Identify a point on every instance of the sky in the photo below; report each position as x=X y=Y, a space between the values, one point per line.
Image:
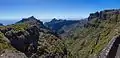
x=48 y=9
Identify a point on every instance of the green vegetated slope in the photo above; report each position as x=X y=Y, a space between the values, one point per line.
x=31 y=37
x=34 y=39
x=87 y=42
x=4 y=44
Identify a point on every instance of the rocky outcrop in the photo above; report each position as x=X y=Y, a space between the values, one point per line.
x=31 y=37
x=104 y=14
x=24 y=41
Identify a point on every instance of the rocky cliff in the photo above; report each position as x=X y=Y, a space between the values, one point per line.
x=31 y=37
x=90 y=39
x=82 y=38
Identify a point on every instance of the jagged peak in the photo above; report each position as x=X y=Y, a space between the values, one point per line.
x=31 y=17
x=53 y=20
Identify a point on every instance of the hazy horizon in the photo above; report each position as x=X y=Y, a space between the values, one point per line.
x=12 y=21
x=48 y=9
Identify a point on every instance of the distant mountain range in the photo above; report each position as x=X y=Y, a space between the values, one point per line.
x=12 y=21
x=60 y=38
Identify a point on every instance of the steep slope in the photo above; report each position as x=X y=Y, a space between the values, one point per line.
x=31 y=37
x=82 y=38
x=4 y=44
x=89 y=41
x=90 y=37
x=7 y=50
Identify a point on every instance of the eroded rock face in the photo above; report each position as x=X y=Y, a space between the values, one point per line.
x=33 y=40
x=104 y=14
x=24 y=41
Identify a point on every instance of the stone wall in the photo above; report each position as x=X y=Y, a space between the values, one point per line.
x=111 y=49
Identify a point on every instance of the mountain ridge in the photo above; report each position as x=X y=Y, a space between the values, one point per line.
x=31 y=37
x=62 y=38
